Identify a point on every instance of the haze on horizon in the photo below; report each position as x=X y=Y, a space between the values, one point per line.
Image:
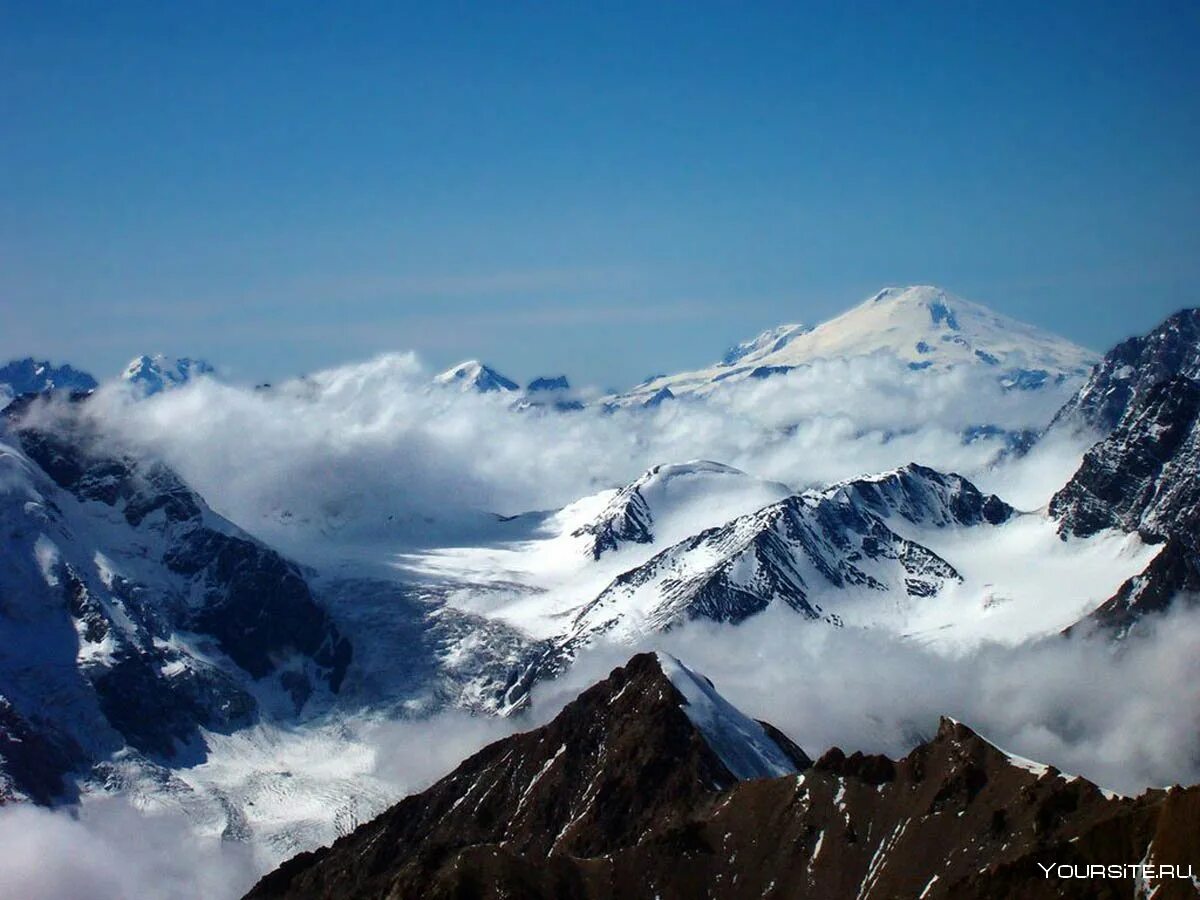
x=604 y=193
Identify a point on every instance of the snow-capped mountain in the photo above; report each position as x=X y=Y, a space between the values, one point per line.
x=152 y=374
x=132 y=616
x=650 y=785
x=147 y=645
x=1130 y=370
x=674 y=499
x=924 y=327
x=550 y=392
x=792 y=552
x=473 y=375
x=31 y=376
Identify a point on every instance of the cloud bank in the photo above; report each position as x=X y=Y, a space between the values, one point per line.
x=372 y=453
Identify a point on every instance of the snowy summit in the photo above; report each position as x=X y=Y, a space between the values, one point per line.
x=152 y=374
x=922 y=326
x=473 y=375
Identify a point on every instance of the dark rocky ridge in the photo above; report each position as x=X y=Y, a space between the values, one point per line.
x=31 y=376
x=634 y=804
x=1131 y=370
x=1171 y=578
x=1144 y=475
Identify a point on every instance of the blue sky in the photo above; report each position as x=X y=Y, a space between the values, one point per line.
x=605 y=189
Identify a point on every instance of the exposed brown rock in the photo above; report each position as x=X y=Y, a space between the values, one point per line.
x=637 y=805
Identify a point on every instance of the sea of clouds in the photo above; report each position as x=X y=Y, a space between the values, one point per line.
x=1125 y=717
x=372 y=454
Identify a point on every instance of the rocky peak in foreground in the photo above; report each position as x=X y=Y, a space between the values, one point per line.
x=628 y=793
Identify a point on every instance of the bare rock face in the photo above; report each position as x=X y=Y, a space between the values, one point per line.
x=1143 y=476
x=624 y=795
x=1131 y=370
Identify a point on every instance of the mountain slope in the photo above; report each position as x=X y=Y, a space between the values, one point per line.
x=790 y=551
x=1145 y=475
x=1129 y=371
x=131 y=615
x=31 y=376
x=473 y=375
x=923 y=327
x=623 y=796
x=620 y=759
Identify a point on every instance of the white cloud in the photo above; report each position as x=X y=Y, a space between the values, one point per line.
x=1125 y=717
x=111 y=851
x=368 y=453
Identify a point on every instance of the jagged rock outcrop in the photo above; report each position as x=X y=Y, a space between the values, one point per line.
x=622 y=795
x=1131 y=370
x=1145 y=475
x=1171 y=577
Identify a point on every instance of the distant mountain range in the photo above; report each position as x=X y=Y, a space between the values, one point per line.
x=141 y=633
x=31 y=376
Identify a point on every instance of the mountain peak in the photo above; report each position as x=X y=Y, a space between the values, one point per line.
x=923 y=327
x=472 y=375
x=624 y=757
x=913 y=293
x=152 y=374
x=549 y=383
x=744 y=745
x=33 y=376
x=621 y=795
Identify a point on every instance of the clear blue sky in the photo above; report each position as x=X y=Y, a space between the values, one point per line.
x=602 y=189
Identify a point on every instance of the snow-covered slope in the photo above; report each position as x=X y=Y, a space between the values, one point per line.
x=770 y=341
x=131 y=615
x=151 y=374
x=473 y=375
x=913 y=552
x=822 y=543
x=540 y=567
x=925 y=327
x=742 y=743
